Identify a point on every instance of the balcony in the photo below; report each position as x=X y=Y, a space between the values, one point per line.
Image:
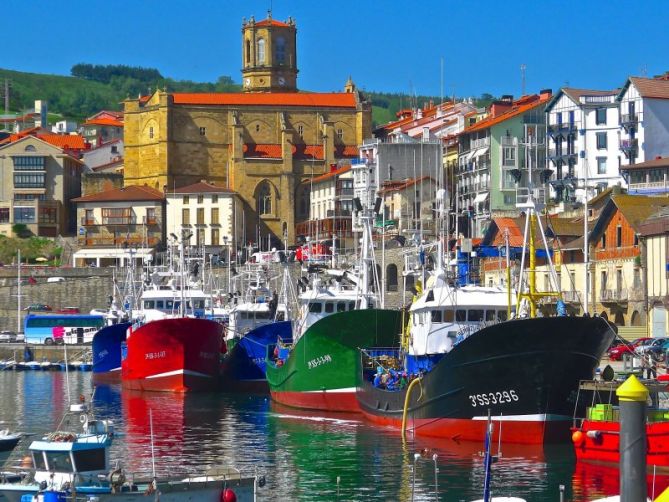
x=562 y=129
x=571 y=296
x=509 y=141
x=562 y=155
x=111 y=241
x=649 y=188
x=629 y=147
x=480 y=143
x=613 y=295
x=629 y=121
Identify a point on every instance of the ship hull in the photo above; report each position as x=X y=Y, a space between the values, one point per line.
x=176 y=355
x=320 y=371
x=524 y=372
x=243 y=368
x=106 y=348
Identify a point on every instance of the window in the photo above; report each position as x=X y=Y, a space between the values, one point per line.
x=4 y=215
x=215 y=236
x=28 y=163
x=150 y=215
x=214 y=216
x=185 y=200
x=200 y=216
x=489 y=315
x=448 y=315
x=315 y=307
x=150 y=132
x=619 y=236
x=24 y=215
x=185 y=216
x=460 y=315
x=601 y=141
x=257 y=127
x=114 y=149
x=89 y=460
x=48 y=215
x=601 y=165
x=501 y=315
x=636 y=240
x=199 y=238
x=475 y=315
x=340 y=134
x=203 y=131
x=341 y=307
x=59 y=461
x=509 y=156
x=604 y=240
x=280 y=50
x=261 y=51
x=435 y=315
x=248 y=51
x=264 y=199
x=600 y=118
x=116 y=216
x=329 y=307
x=38 y=461
x=200 y=199
x=214 y=199
x=29 y=181
x=300 y=130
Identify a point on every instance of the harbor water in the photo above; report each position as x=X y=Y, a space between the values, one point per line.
x=303 y=456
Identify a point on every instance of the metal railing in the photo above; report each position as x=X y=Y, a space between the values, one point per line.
x=613 y=295
x=629 y=118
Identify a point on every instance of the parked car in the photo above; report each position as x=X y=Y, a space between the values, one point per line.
x=69 y=310
x=645 y=347
x=8 y=337
x=660 y=349
x=56 y=279
x=38 y=307
x=616 y=352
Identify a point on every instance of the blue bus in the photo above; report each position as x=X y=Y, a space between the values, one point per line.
x=61 y=328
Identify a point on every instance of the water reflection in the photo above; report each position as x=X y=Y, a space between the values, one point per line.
x=305 y=456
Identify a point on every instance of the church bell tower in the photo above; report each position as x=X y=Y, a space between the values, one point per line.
x=269 y=55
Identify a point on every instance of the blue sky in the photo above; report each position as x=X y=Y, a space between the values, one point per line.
x=388 y=46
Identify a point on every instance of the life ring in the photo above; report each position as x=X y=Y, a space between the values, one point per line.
x=83 y=418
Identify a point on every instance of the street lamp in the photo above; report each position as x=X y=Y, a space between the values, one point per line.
x=225 y=243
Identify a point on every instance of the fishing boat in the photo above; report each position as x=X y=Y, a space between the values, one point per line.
x=260 y=320
x=463 y=354
x=8 y=440
x=596 y=437
x=171 y=346
x=106 y=348
x=338 y=314
x=75 y=465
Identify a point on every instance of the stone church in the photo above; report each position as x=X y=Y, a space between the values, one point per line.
x=263 y=143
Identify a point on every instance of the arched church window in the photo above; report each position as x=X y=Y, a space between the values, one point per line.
x=280 y=50
x=248 y=51
x=261 y=51
x=264 y=199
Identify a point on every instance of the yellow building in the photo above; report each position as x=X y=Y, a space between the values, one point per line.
x=261 y=143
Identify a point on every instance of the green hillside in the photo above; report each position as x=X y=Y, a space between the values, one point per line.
x=104 y=87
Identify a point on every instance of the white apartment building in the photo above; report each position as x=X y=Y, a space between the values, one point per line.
x=210 y=214
x=583 y=136
x=331 y=194
x=644 y=119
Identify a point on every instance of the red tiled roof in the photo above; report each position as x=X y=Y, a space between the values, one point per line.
x=331 y=174
x=272 y=22
x=112 y=113
x=332 y=100
x=64 y=141
x=649 y=164
x=346 y=151
x=104 y=122
x=651 y=87
x=398 y=185
x=200 y=187
x=308 y=152
x=262 y=151
x=515 y=233
x=519 y=107
x=125 y=194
